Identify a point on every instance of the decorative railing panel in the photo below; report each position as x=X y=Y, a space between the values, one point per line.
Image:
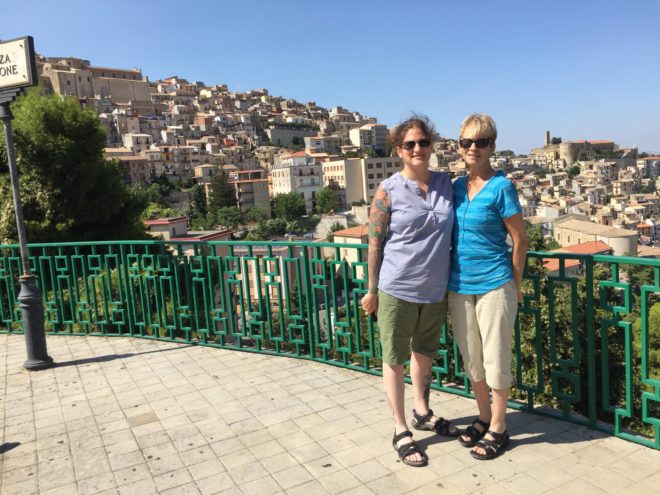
x=586 y=341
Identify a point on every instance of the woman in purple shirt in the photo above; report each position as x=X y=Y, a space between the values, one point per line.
x=410 y=228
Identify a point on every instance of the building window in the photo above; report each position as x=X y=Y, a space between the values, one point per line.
x=371 y=176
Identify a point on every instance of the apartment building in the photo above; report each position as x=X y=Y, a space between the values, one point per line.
x=137 y=142
x=299 y=173
x=251 y=187
x=355 y=179
x=370 y=136
x=323 y=144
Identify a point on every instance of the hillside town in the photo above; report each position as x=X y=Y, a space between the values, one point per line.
x=588 y=193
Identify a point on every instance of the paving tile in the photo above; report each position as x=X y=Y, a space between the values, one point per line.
x=69 y=488
x=128 y=459
x=187 y=489
x=96 y=483
x=261 y=486
x=172 y=479
x=313 y=486
x=279 y=462
x=160 y=465
x=129 y=475
x=27 y=487
x=142 y=487
x=339 y=481
x=206 y=469
x=55 y=473
x=248 y=472
x=293 y=476
x=578 y=486
x=308 y=452
x=267 y=449
x=523 y=484
x=390 y=483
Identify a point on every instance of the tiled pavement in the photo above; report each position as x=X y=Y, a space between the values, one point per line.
x=129 y=416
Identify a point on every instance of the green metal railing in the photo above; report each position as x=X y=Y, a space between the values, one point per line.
x=587 y=337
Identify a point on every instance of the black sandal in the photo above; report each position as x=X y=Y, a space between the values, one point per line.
x=492 y=447
x=408 y=449
x=441 y=426
x=473 y=434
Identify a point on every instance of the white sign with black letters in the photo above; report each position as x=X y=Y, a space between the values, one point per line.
x=16 y=63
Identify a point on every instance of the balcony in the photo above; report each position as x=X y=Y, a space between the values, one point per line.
x=582 y=356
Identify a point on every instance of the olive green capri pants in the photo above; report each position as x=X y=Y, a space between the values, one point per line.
x=405 y=325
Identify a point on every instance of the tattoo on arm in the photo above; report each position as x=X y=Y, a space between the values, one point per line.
x=379 y=220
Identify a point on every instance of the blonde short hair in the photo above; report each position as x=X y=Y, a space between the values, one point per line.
x=484 y=124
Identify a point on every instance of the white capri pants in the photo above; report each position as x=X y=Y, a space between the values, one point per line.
x=483 y=329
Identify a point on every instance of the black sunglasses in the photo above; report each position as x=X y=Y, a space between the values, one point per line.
x=409 y=145
x=481 y=143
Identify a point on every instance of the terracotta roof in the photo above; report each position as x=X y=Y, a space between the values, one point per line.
x=165 y=221
x=552 y=264
x=206 y=235
x=359 y=232
x=593 y=247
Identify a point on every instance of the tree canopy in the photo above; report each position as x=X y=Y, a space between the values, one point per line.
x=326 y=200
x=222 y=192
x=289 y=206
x=69 y=191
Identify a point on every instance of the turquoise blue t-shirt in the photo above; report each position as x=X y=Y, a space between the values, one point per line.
x=480 y=260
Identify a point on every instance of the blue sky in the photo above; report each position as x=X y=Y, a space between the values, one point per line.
x=581 y=69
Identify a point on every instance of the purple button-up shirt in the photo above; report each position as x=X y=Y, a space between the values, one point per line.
x=416 y=257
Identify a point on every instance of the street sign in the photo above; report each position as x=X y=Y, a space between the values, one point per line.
x=17 y=64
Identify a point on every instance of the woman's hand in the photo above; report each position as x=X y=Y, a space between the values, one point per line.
x=370 y=303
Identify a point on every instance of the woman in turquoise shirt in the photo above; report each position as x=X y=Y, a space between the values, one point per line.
x=485 y=282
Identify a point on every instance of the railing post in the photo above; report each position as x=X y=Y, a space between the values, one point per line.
x=591 y=338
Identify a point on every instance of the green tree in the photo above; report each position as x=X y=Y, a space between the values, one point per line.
x=326 y=200
x=231 y=216
x=537 y=240
x=256 y=214
x=573 y=171
x=222 y=192
x=555 y=140
x=154 y=210
x=70 y=192
x=199 y=204
x=333 y=228
x=289 y=206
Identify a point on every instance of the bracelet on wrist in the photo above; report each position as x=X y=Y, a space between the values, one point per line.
x=372 y=290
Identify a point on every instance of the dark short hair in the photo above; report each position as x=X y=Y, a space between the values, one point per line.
x=420 y=122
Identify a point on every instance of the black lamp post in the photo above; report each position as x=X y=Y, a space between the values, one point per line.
x=17 y=71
